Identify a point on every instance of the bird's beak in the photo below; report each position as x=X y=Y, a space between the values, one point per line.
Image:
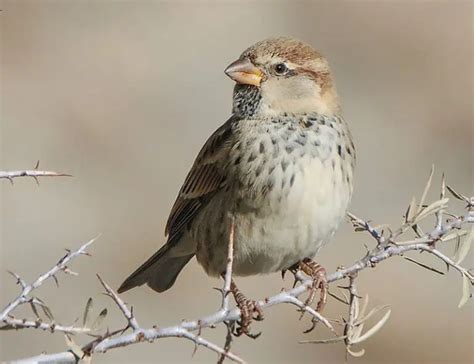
x=243 y=71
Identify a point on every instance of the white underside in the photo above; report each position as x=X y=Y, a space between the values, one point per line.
x=298 y=226
x=273 y=235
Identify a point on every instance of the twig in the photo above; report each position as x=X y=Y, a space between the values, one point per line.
x=131 y=320
x=422 y=244
x=184 y=330
x=226 y=290
x=442 y=195
x=353 y=312
x=28 y=288
x=228 y=271
x=228 y=340
x=12 y=323
x=33 y=173
x=423 y=265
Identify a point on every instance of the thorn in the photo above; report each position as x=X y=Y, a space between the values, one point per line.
x=424 y=265
x=195 y=349
x=36 y=180
x=222 y=291
x=338 y=298
x=344 y=287
x=122 y=331
x=68 y=271
x=314 y=321
x=283 y=272
x=55 y=280
x=37 y=164
x=11 y=180
x=19 y=281
x=197 y=337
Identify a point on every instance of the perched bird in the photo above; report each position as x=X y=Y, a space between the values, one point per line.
x=279 y=172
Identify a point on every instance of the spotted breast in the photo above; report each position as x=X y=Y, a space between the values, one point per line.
x=291 y=181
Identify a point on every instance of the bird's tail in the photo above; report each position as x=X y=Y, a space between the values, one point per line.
x=159 y=272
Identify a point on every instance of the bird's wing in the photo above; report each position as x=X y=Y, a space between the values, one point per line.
x=205 y=178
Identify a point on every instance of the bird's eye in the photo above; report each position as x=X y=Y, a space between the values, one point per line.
x=280 y=68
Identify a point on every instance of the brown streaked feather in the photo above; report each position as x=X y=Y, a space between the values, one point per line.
x=291 y=49
x=205 y=178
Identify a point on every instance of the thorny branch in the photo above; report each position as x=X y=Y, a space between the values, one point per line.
x=25 y=296
x=228 y=271
x=388 y=244
x=33 y=173
x=226 y=291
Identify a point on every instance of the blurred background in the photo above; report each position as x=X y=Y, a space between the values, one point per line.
x=122 y=94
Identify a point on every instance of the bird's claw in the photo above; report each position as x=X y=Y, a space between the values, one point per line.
x=249 y=310
x=293 y=269
x=318 y=274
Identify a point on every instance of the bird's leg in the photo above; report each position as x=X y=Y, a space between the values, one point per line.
x=249 y=310
x=318 y=274
x=293 y=269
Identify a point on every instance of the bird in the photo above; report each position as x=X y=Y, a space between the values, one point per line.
x=279 y=173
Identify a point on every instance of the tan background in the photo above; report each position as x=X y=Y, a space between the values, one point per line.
x=122 y=94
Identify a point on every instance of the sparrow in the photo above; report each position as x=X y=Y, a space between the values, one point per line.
x=279 y=172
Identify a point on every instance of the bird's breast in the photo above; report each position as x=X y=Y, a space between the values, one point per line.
x=275 y=160
x=292 y=187
x=288 y=187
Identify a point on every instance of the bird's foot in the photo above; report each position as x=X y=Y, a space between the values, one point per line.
x=249 y=310
x=293 y=269
x=318 y=274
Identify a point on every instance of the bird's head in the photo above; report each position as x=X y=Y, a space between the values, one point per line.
x=280 y=76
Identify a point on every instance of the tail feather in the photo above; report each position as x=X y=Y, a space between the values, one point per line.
x=165 y=275
x=159 y=271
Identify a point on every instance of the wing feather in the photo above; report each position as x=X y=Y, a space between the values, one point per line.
x=205 y=178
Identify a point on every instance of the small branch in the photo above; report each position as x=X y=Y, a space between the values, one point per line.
x=228 y=271
x=450 y=262
x=33 y=173
x=28 y=288
x=353 y=313
x=316 y=315
x=132 y=322
x=226 y=290
x=352 y=307
x=399 y=248
x=355 y=322
x=228 y=340
x=12 y=323
x=63 y=358
x=361 y=225
x=442 y=195
x=184 y=330
x=198 y=340
x=423 y=265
